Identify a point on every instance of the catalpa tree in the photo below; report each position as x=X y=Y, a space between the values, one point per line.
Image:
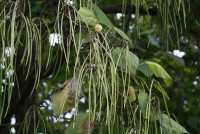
x=86 y=66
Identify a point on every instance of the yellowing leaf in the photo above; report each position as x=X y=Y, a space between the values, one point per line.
x=63 y=98
x=84 y=123
x=131 y=94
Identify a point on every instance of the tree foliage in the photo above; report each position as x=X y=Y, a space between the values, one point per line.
x=99 y=66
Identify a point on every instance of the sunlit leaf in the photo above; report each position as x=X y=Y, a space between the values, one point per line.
x=159 y=71
x=63 y=98
x=124 y=58
x=143 y=99
x=121 y=33
x=83 y=124
x=180 y=60
x=87 y=16
x=169 y=123
x=159 y=88
x=131 y=94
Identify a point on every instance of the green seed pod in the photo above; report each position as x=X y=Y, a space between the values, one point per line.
x=131 y=94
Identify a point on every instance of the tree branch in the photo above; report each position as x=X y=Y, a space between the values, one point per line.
x=129 y=9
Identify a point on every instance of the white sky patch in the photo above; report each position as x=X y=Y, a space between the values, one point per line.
x=185 y=102
x=12 y=84
x=82 y=100
x=196 y=47
x=69 y=114
x=178 y=53
x=119 y=15
x=47 y=103
x=3 y=81
x=131 y=27
x=69 y=2
x=13 y=130
x=195 y=82
x=50 y=91
x=45 y=84
x=13 y=120
x=54 y=38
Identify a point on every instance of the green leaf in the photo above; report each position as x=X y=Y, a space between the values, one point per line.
x=145 y=69
x=124 y=58
x=101 y=16
x=154 y=41
x=159 y=71
x=87 y=16
x=143 y=99
x=180 y=60
x=63 y=98
x=121 y=33
x=170 y=124
x=84 y=123
x=83 y=37
x=159 y=88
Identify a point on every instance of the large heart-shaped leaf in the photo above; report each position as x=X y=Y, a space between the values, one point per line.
x=101 y=16
x=87 y=16
x=125 y=59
